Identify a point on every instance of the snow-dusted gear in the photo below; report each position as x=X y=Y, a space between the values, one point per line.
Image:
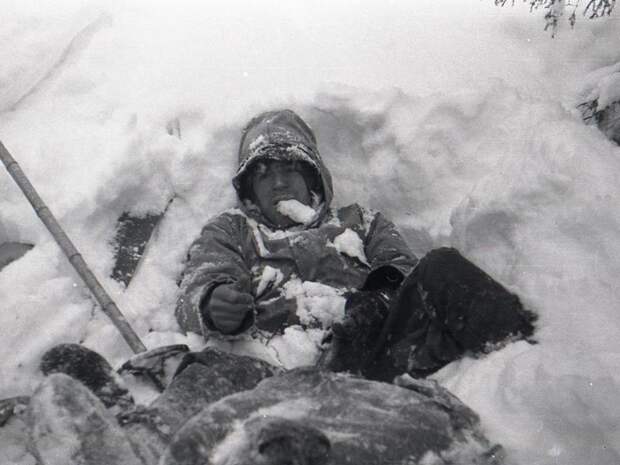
x=132 y=236
x=233 y=249
x=353 y=341
x=446 y=307
x=91 y=369
x=203 y=378
x=9 y=406
x=70 y=425
x=241 y=247
x=306 y=416
x=156 y=366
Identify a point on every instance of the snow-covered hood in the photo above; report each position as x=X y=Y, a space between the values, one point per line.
x=280 y=135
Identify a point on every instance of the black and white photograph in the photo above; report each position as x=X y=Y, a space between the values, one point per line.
x=309 y=232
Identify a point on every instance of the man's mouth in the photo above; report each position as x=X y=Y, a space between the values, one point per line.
x=281 y=197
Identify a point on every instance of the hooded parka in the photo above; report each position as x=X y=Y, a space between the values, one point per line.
x=242 y=247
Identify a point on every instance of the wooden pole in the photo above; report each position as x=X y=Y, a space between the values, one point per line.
x=75 y=258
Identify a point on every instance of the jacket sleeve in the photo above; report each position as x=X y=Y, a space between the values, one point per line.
x=389 y=257
x=215 y=258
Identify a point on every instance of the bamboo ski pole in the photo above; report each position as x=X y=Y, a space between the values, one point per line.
x=75 y=258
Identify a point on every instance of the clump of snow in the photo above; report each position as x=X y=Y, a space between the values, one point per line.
x=318 y=307
x=295 y=347
x=317 y=304
x=349 y=243
x=602 y=85
x=296 y=211
x=271 y=277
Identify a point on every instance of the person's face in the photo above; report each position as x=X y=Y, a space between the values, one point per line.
x=274 y=181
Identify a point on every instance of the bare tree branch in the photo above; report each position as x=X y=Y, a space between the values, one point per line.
x=555 y=9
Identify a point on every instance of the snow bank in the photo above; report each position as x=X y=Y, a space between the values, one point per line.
x=472 y=142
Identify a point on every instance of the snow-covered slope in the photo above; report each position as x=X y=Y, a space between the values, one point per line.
x=454 y=120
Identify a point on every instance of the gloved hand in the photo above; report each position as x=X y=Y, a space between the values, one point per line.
x=228 y=307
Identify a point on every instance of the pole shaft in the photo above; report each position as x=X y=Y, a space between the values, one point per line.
x=75 y=258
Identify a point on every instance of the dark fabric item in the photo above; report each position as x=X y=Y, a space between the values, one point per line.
x=155 y=366
x=383 y=278
x=91 y=369
x=132 y=236
x=445 y=308
x=311 y=417
x=205 y=377
x=353 y=341
x=448 y=307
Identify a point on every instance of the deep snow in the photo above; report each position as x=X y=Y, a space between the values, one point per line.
x=456 y=120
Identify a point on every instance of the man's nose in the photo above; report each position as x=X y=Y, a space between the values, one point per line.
x=280 y=179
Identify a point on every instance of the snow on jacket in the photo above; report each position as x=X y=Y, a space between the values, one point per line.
x=341 y=250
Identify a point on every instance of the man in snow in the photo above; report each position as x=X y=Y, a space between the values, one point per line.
x=257 y=272
x=237 y=280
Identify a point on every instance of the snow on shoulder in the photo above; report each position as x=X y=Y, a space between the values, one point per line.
x=349 y=243
x=297 y=211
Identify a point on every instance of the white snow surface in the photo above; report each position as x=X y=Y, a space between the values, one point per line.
x=297 y=211
x=455 y=119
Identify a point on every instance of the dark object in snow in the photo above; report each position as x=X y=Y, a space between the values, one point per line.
x=205 y=377
x=11 y=251
x=307 y=416
x=132 y=236
x=607 y=119
x=8 y=407
x=446 y=308
x=91 y=369
x=201 y=379
x=156 y=366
